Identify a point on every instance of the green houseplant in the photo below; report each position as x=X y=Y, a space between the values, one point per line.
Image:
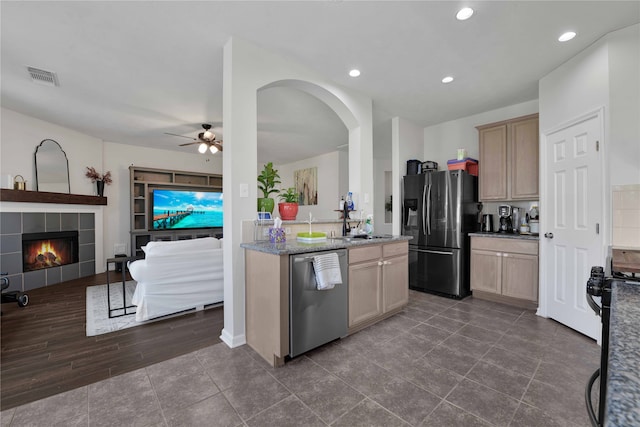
x=267 y=181
x=288 y=208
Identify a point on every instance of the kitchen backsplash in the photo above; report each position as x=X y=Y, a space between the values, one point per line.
x=626 y=216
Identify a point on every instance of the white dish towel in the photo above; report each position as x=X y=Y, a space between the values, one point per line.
x=327 y=268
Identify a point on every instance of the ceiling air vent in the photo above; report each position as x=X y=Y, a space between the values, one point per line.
x=43 y=77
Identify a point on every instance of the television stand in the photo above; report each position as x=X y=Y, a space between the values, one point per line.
x=143 y=182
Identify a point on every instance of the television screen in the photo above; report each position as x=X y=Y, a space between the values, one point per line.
x=176 y=209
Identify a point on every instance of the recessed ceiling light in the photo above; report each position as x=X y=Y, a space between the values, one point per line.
x=464 y=13
x=447 y=79
x=354 y=73
x=566 y=36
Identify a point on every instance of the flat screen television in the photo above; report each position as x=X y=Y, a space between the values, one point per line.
x=180 y=209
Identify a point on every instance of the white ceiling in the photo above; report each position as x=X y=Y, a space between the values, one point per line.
x=130 y=71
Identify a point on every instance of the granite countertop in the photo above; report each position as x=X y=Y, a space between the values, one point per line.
x=292 y=246
x=506 y=235
x=623 y=381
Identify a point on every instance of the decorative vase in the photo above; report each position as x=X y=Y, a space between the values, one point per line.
x=100 y=188
x=288 y=211
x=265 y=204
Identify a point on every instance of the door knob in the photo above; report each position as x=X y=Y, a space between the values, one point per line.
x=548 y=235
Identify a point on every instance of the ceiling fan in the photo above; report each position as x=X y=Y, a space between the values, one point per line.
x=206 y=139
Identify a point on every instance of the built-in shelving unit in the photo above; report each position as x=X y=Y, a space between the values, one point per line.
x=143 y=182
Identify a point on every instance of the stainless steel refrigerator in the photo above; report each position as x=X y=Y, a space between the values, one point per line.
x=439 y=210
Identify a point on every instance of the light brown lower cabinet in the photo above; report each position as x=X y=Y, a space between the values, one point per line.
x=378 y=282
x=505 y=270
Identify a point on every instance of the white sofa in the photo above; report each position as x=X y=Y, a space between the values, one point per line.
x=177 y=276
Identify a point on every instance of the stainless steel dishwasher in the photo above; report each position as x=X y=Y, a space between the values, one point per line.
x=315 y=317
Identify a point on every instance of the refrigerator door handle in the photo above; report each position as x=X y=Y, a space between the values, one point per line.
x=429 y=210
x=424 y=197
x=429 y=251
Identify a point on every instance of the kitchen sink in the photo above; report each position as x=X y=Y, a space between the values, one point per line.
x=362 y=237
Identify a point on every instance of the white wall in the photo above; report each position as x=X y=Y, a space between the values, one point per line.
x=624 y=81
x=330 y=173
x=441 y=141
x=382 y=161
x=21 y=134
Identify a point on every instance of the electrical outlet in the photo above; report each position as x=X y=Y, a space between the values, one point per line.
x=287 y=230
x=119 y=248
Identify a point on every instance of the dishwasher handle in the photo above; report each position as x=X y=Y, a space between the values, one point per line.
x=309 y=258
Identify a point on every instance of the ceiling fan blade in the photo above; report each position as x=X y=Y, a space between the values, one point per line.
x=181 y=136
x=189 y=143
x=217 y=144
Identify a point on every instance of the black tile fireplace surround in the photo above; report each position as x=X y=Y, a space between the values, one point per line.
x=14 y=224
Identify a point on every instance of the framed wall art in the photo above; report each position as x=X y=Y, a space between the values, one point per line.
x=306 y=182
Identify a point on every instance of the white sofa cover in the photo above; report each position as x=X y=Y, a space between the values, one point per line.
x=176 y=276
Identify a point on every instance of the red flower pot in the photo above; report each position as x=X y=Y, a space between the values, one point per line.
x=288 y=211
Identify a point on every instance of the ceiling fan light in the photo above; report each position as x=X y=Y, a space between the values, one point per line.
x=213 y=149
x=208 y=135
x=202 y=148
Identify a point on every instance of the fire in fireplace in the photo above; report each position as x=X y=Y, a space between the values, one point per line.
x=51 y=249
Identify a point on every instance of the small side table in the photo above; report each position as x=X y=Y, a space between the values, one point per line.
x=123 y=264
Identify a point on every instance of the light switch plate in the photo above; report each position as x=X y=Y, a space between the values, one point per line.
x=244 y=190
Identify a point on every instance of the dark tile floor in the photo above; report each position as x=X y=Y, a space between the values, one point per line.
x=440 y=363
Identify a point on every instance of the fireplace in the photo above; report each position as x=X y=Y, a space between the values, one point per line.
x=49 y=249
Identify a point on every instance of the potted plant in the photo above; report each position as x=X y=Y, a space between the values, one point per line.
x=267 y=181
x=288 y=208
x=100 y=180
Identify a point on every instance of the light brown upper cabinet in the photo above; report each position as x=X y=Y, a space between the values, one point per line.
x=509 y=159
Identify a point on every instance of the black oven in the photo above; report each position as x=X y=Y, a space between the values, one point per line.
x=599 y=286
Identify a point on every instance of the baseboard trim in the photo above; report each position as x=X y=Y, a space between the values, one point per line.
x=233 y=341
x=517 y=302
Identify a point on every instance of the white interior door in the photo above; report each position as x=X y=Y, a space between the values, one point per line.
x=572 y=240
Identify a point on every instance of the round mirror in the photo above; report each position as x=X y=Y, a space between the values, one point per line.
x=52 y=168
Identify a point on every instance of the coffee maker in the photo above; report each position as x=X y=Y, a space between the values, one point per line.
x=506 y=225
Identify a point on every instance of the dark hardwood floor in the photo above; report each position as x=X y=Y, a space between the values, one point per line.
x=45 y=350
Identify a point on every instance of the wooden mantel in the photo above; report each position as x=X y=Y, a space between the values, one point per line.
x=23 y=196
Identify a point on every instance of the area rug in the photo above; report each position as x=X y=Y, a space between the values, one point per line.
x=98 y=321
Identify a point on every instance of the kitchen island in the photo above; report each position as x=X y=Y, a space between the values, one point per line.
x=378 y=286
